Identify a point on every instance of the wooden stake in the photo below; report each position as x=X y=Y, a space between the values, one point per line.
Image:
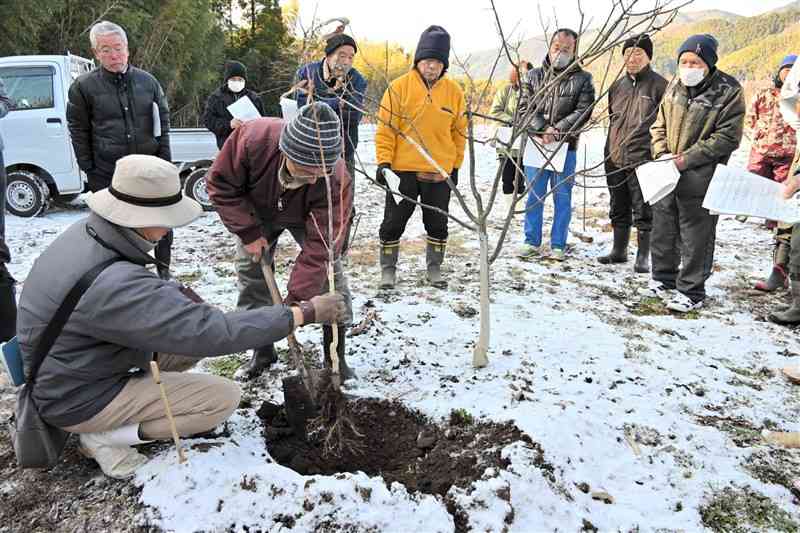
x=337 y=380
x=168 y=409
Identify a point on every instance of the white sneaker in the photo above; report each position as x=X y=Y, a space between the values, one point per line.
x=529 y=251
x=656 y=289
x=557 y=254
x=681 y=303
x=112 y=450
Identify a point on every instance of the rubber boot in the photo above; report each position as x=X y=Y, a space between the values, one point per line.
x=389 y=253
x=619 y=251
x=327 y=337
x=434 y=257
x=790 y=316
x=778 y=278
x=261 y=360
x=642 y=264
x=8 y=306
x=113 y=452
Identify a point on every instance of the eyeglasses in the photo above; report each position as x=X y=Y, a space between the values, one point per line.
x=107 y=50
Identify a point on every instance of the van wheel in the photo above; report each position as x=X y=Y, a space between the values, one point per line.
x=195 y=188
x=26 y=194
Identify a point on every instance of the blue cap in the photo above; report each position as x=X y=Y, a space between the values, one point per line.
x=704 y=45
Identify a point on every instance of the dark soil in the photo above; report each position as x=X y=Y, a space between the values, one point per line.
x=394 y=438
x=72 y=496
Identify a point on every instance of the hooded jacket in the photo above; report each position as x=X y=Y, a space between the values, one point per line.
x=244 y=187
x=703 y=123
x=123 y=318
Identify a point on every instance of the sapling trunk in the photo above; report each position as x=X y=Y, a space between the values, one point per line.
x=479 y=355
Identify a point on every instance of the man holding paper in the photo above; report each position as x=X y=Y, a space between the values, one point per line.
x=217 y=116
x=117 y=110
x=554 y=116
x=632 y=107
x=699 y=124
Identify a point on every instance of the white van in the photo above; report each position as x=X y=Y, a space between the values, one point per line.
x=39 y=158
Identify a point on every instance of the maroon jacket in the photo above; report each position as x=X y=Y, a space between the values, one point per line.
x=243 y=186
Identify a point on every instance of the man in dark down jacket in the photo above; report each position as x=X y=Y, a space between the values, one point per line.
x=216 y=116
x=555 y=114
x=116 y=110
x=632 y=107
x=269 y=178
x=699 y=123
x=95 y=380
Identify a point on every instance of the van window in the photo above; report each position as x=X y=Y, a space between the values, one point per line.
x=29 y=87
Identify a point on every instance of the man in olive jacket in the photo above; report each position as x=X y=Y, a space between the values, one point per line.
x=699 y=124
x=632 y=107
x=116 y=110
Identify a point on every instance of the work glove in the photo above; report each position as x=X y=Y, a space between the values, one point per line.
x=454 y=176
x=379 y=177
x=328 y=308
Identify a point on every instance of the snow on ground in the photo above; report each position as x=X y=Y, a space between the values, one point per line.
x=659 y=411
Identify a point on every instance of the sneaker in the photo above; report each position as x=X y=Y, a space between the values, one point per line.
x=656 y=289
x=681 y=303
x=529 y=251
x=116 y=461
x=557 y=254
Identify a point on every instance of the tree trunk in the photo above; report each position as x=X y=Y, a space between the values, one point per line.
x=479 y=358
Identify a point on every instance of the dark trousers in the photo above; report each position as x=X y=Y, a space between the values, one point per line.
x=794 y=253
x=8 y=303
x=512 y=173
x=350 y=163
x=682 y=246
x=397 y=212
x=628 y=207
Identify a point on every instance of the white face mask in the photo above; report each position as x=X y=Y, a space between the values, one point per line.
x=235 y=86
x=691 y=76
x=562 y=60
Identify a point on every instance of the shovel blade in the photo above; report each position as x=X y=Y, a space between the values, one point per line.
x=298 y=404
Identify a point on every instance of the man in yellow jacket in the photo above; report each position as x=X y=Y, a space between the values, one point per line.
x=429 y=108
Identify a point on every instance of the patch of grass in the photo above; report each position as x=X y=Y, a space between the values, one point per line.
x=774 y=465
x=741 y=509
x=461 y=417
x=650 y=306
x=742 y=432
x=225 y=366
x=189 y=277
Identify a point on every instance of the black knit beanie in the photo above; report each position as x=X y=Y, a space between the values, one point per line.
x=704 y=45
x=340 y=39
x=315 y=129
x=434 y=43
x=640 y=41
x=234 y=68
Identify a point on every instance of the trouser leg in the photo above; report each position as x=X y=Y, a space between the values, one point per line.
x=698 y=229
x=665 y=246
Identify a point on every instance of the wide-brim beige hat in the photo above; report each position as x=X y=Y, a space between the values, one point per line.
x=145 y=192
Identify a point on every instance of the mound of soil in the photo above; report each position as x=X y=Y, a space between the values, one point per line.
x=398 y=444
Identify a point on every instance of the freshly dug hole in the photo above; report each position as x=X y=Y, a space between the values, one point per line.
x=398 y=444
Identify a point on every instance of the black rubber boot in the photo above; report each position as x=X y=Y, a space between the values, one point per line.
x=434 y=258
x=8 y=305
x=619 y=251
x=389 y=253
x=790 y=316
x=642 y=264
x=327 y=337
x=261 y=360
x=778 y=277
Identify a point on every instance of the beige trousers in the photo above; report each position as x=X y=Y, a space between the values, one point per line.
x=199 y=402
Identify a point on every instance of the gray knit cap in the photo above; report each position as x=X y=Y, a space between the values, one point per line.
x=313 y=137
